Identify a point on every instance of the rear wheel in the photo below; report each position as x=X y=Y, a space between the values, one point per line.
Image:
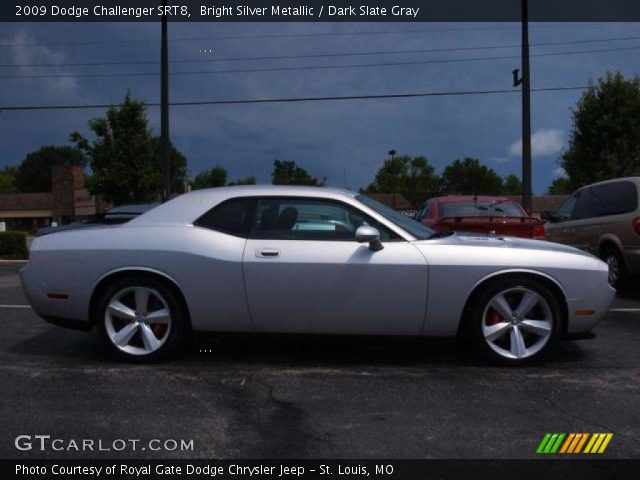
x=617 y=271
x=514 y=321
x=140 y=319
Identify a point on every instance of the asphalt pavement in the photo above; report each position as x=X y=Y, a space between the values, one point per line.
x=285 y=396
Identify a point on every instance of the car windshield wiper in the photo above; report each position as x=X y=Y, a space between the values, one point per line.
x=440 y=234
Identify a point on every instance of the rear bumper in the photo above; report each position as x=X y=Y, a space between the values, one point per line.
x=67 y=312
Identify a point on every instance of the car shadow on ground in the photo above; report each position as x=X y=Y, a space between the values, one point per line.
x=630 y=291
x=58 y=345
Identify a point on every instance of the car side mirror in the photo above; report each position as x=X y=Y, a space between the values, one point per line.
x=370 y=235
x=548 y=216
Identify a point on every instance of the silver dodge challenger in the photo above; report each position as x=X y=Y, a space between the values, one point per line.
x=309 y=260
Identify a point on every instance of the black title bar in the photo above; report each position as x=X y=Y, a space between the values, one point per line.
x=317 y=469
x=318 y=10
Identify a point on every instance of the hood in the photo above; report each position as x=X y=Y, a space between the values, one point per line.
x=496 y=241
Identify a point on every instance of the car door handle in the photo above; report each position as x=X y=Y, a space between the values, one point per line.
x=268 y=252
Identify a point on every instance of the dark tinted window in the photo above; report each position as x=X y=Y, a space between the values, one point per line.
x=232 y=216
x=616 y=198
x=566 y=209
x=608 y=199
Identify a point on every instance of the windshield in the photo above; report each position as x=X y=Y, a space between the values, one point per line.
x=505 y=208
x=409 y=225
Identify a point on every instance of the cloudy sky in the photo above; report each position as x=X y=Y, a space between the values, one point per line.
x=338 y=140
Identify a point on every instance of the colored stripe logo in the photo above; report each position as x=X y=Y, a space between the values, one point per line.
x=573 y=443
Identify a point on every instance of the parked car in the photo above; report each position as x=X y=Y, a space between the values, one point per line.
x=604 y=219
x=232 y=259
x=498 y=215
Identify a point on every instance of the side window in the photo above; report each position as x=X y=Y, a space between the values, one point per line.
x=306 y=219
x=564 y=212
x=615 y=198
x=589 y=205
x=231 y=216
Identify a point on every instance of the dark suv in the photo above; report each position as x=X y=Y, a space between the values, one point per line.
x=604 y=219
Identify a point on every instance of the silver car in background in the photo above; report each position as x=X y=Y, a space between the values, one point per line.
x=309 y=260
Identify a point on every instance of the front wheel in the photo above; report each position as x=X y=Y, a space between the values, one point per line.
x=140 y=319
x=515 y=321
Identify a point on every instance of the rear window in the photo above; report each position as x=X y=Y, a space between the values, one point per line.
x=232 y=216
x=505 y=208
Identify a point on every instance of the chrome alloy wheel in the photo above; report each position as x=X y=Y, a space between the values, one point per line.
x=614 y=269
x=517 y=323
x=137 y=320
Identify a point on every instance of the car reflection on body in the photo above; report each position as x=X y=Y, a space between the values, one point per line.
x=309 y=260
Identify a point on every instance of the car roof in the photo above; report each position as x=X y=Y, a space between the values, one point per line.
x=470 y=198
x=635 y=179
x=186 y=208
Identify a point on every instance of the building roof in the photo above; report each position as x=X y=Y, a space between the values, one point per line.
x=544 y=203
x=25 y=201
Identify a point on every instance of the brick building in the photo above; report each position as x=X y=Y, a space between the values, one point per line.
x=68 y=200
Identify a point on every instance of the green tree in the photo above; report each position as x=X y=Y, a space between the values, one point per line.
x=251 y=180
x=286 y=172
x=604 y=141
x=216 y=177
x=34 y=173
x=7 y=179
x=124 y=156
x=404 y=174
x=512 y=185
x=469 y=177
x=560 y=186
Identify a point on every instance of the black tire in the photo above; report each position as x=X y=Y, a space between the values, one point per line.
x=476 y=323
x=174 y=331
x=617 y=269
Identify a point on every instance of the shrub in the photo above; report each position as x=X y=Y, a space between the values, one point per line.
x=13 y=244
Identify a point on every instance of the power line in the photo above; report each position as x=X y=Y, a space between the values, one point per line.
x=317 y=67
x=324 y=55
x=298 y=35
x=300 y=99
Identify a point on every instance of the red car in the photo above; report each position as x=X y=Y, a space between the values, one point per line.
x=498 y=215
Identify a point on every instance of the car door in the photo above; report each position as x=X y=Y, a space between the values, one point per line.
x=560 y=228
x=304 y=272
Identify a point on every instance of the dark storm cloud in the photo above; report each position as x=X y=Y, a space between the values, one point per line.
x=330 y=139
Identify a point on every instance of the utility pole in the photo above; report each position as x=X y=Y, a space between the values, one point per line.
x=393 y=157
x=525 y=81
x=165 y=191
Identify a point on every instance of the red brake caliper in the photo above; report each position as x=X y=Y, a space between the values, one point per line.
x=493 y=318
x=159 y=329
